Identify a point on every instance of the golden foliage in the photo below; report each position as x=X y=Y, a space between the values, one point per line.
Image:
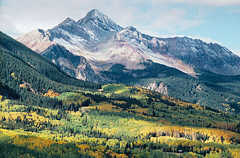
x=116 y=155
x=51 y=93
x=75 y=114
x=32 y=142
x=182 y=103
x=3 y=104
x=235 y=153
x=33 y=117
x=112 y=142
x=83 y=147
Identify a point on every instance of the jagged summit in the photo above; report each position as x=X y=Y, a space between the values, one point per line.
x=95 y=27
x=95 y=13
x=95 y=18
x=67 y=21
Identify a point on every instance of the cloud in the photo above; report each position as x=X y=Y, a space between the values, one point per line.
x=213 y=3
x=172 y=19
x=8 y=27
x=30 y=15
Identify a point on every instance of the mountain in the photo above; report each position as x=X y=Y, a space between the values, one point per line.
x=97 y=49
x=98 y=38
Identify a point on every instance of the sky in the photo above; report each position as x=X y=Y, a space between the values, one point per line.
x=209 y=20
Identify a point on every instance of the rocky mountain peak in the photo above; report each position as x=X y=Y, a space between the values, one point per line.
x=100 y=20
x=67 y=22
x=94 y=13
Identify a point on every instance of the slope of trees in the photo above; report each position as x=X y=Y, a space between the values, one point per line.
x=26 y=76
x=39 y=63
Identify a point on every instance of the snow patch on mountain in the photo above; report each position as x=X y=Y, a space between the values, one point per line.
x=74 y=42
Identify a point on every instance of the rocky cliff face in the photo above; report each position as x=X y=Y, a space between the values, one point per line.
x=73 y=65
x=158 y=87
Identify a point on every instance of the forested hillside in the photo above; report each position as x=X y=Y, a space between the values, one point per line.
x=39 y=63
x=27 y=75
x=44 y=113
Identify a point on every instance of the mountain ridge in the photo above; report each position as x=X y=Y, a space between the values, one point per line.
x=96 y=30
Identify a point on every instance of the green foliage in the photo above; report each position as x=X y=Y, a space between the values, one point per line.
x=26 y=76
x=157 y=154
x=217 y=155
x=111 y=88
x=73 y=101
